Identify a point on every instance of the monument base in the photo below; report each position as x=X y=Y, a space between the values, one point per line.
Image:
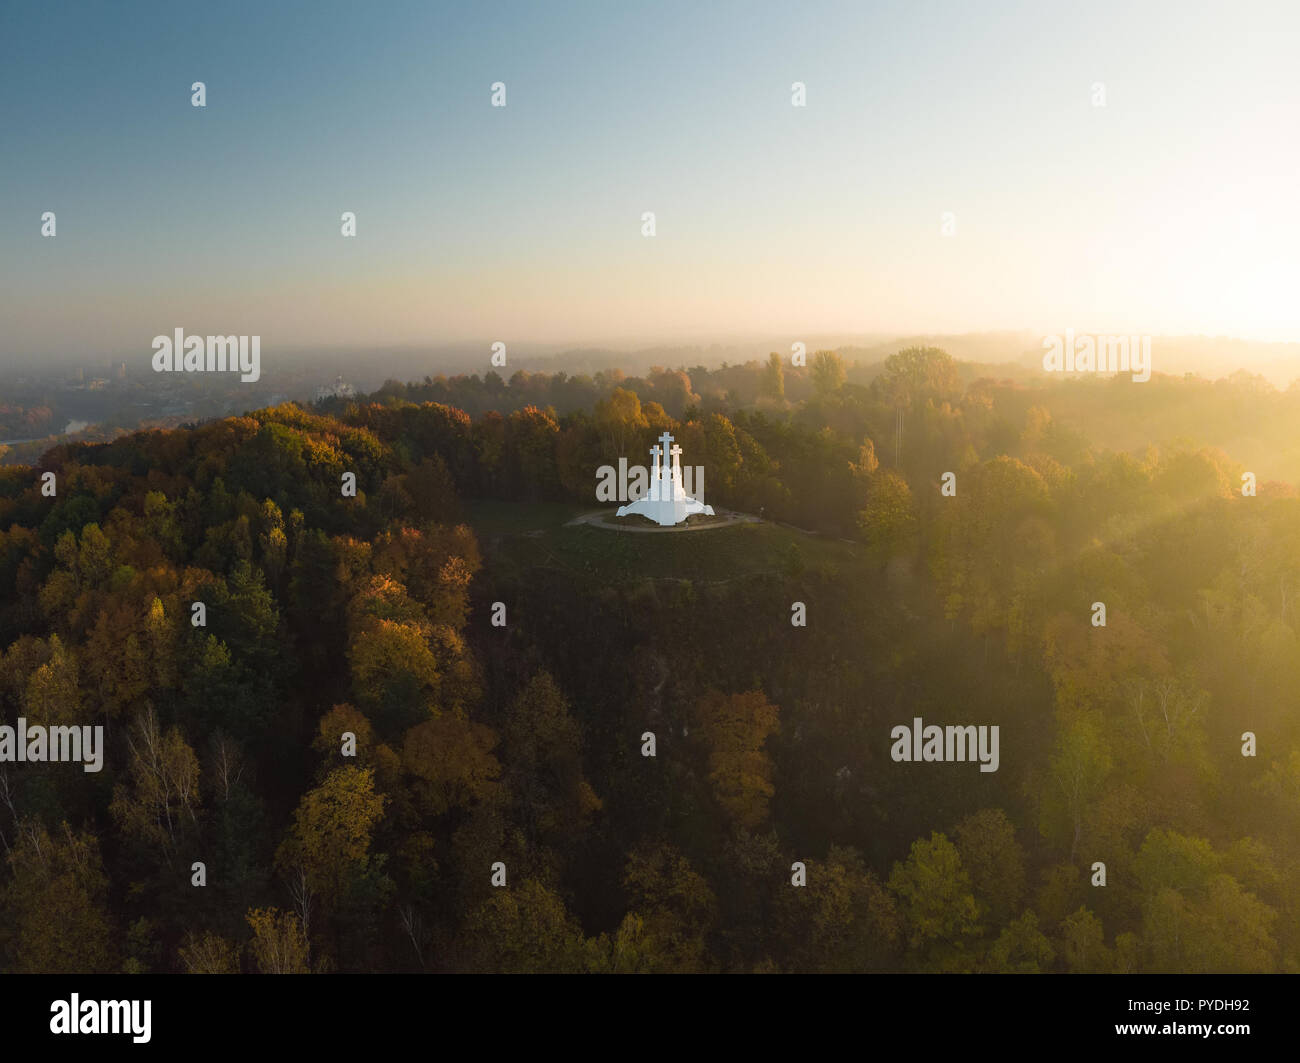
x=665 y=512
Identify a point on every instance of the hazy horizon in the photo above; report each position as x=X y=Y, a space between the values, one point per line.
x=1208 y=356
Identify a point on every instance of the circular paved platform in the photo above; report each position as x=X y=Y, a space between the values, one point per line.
x=605 y=518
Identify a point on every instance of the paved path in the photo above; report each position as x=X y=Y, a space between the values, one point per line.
x=603 y=518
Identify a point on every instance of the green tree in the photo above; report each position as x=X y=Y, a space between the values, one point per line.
x=986 y=842
x=917 y=374
x=934 y=897
x=1021 y=948
x=1079 y=767
x=888 y=520
x=827 y=372
x=543 y=755
x=774 y=378
x=1083 y=944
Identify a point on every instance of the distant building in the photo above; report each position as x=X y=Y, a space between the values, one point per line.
x=340 y=389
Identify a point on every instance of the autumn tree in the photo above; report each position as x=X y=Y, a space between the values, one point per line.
x=53 y=695
x=340 y=720
x=451 y=762
x=395 y=673
x=55 y=904
x=524 y=929
x=843 y=920
x=673 y=910
x=531 y=436
x=279 y=945
x=332 y=827
x=543 y=756
x=733 y=729
x=432 y=491
x=620 y=422
x=160 y=802
x=209 y=953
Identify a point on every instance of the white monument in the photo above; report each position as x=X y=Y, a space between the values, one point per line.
x=666 y=501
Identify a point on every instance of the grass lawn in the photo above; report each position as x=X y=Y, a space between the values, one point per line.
x=489 y=517
x=520 y=536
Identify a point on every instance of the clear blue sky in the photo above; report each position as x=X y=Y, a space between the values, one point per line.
x=1171 y=209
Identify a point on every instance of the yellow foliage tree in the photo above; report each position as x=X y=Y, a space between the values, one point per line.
x=332 y=829
x=279 y=945
x=734 y=728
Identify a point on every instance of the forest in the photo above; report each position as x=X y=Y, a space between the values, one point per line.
x=341 y=762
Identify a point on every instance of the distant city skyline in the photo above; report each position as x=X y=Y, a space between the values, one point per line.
x=1169 y=210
